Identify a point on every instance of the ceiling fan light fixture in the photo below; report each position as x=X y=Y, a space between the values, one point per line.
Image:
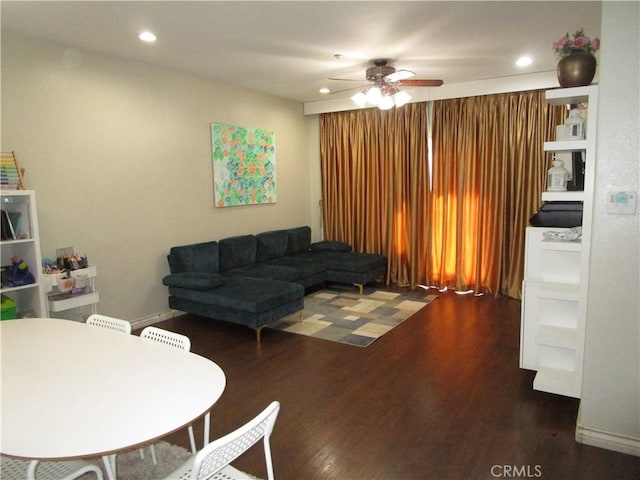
x=388 y=90
x=384 y=97
x=359 y=99
x=386 y=102
x=373 y=95
x=401 y=98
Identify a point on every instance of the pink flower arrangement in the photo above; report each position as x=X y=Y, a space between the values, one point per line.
x=566 y=45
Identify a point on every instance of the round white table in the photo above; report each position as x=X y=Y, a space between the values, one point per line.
x=70 y=390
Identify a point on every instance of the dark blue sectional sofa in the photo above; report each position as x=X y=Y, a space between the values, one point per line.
x=255 y=280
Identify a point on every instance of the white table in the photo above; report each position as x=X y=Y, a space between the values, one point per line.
x=70 y=390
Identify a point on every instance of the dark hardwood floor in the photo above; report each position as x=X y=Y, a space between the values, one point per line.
x=439 y=397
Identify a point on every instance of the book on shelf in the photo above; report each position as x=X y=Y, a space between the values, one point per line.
x=14 y=220
x=8 y=232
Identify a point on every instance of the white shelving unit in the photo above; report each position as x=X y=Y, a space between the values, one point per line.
x=30 y=299
x=77 y=303
x=554 y=290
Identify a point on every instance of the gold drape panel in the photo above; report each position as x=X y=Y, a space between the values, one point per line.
x=375 y=183
x=464 y=227
x=489 y=170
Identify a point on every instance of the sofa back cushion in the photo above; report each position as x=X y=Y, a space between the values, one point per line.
x=236 y=252
x=199 y=257
x=271 y=245
x=299 y=240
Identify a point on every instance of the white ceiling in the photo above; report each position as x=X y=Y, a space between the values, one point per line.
x=288 y=48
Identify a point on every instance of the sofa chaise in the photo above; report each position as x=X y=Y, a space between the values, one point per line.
x=254 y=280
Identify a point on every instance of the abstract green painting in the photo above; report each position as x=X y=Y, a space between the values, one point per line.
x=244 y=165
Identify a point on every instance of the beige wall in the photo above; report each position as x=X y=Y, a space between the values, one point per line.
x=119 y=156
x=610 y=408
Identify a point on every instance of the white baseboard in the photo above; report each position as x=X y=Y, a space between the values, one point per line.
x=607 y=440
x=152 y=319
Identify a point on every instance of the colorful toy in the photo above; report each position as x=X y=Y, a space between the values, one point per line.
x=49 y=267
x=20 y=274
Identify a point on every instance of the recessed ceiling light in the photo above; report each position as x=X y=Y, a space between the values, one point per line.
x=524 y=61
x=324 y=90
x=147 y=37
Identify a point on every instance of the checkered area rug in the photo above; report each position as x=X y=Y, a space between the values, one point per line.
x=345 y=316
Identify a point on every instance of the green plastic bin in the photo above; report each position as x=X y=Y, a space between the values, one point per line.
x=9 y=308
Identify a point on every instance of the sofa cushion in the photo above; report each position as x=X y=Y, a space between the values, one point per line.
x=199 y=257
x=347 y=261
x=266 y=271
x=240 y=317
x=236 y=252
x=331 y=246
x=245 y=294
x=354 y=262
x=299 y=240
x=345 y=276
x=196 y=280
x=271 y=245
x=310 y=272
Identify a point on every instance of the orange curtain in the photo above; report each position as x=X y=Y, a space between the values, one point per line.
x=489 y=170
x=458 y=224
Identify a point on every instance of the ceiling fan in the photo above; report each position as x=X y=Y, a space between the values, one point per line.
x=383 y=89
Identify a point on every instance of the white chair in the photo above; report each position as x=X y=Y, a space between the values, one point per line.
x=174 y=340
x=213 y=461
x=16 y=469
x=166 y=337
x=97 y=320
x=122 y=326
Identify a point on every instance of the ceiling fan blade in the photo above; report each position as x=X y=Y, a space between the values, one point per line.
x=348 y=80
x=344 y=90
x=399 y=75
x=420 y=83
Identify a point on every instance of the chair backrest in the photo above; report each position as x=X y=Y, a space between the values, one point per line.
x=18 y=469
x=111 y=323
x=221 y=452
x=166 y=337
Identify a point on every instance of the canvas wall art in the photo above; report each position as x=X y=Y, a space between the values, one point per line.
x=244 y=165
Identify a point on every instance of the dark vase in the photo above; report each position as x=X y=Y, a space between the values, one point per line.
x=576 y=69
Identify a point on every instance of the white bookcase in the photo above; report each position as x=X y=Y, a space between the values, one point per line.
x=30 y=299
x=554 y=290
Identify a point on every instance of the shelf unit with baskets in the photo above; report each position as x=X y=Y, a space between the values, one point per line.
x=74 y=302
x=555 y=286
